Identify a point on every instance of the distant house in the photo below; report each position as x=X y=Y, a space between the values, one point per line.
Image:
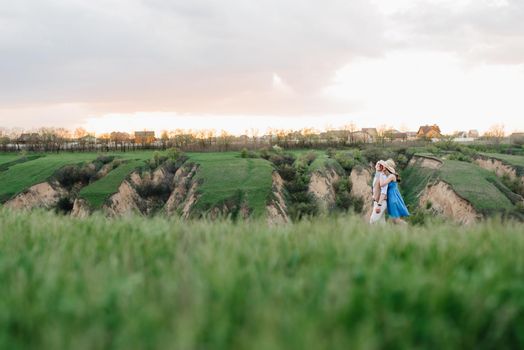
x=87 y=139
x=371 y=132
x=517 y=138
x=144 y=137
x=429 y=132
x=29 y=138
x=474 y=134
x=400 y=136
x=460 y=134
x=411 y=135
x=360 y=137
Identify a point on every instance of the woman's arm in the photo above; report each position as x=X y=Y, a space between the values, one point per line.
x=389 y=179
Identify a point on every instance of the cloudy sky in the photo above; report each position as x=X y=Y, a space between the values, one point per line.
x=238 y=64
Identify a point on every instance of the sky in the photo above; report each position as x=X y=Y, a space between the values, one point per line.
x=241 y=64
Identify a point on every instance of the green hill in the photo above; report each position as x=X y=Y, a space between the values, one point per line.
x=97 y=192
x=24 y=175
x=226 y=175
x=481 y=188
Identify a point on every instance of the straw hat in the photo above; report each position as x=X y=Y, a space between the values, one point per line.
x=390 y=165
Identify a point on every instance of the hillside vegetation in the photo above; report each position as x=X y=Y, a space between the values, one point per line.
x=98 y=192
x=23 y=175
x=331 y=283
x=476 y=185
x=224 y=176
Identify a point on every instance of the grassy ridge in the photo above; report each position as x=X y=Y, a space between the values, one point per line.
x=8 y=157
x=223 y=175
x=472 y=183
x=97 y=192
x=331 y=283
x=478 y=186
x=23 y=175
x=508 y=158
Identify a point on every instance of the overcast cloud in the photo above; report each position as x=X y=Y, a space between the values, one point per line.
x=225 y=57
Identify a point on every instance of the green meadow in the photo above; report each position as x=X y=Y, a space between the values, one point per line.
x=329 y=283
x=226 y=175
x=20 y=176
x=99 y=191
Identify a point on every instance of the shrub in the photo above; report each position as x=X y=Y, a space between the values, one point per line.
x=300 y=210
x=70 y=175
x=174 y=153
x=418 y=217
x=64 y=206
x=310 y=157
x=244 y=153
x=375 y=154
x=287 y=172
x=358 y=204
x=346 y=160
x=281 y=159
x=343 y=201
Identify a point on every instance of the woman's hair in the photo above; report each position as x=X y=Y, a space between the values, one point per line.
x=397 y=176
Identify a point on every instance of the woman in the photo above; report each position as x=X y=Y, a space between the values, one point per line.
x=396 y=206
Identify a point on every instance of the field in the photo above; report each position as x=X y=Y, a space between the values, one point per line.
x=472 y=183
x=6 y=158
x=225 y=175
x=517 y=161
x=23 y=175
x=331 y=283
x=482 y=188
x=97 y=192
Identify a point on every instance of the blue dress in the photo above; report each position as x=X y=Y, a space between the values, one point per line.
x=396 y=206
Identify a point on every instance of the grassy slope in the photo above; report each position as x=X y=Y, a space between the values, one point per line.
x=23 y=175
x=223 y=174
x=97 y=192
x=414 y=180
x=508 y=158
x=472 y=183
x=8 y=157
x=515 y=161
x=328 y=284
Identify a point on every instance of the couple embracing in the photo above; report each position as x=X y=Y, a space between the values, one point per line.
x=386 y=195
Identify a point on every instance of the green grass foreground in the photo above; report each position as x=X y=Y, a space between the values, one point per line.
x=332 y=283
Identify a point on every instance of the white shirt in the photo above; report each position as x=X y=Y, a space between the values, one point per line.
x=383 y=177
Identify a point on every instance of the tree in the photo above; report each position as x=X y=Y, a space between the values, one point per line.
x=495 y=133
x=164 y=137
x=349 y=129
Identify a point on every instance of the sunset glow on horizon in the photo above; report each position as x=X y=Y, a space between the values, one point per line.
x=165 y=65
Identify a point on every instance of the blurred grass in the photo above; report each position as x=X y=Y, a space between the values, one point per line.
x=332 y=283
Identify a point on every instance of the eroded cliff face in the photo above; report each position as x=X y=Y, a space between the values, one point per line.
x=184 y=194
x=322 y=187
x=277 y=209
x=497 y=166
x=81 y=208
x=361 y=187
x=125 y=202
x=43 y=195
x=444 y=201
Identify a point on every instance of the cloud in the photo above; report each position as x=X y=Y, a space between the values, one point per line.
x=198 y=56
x=490 y=31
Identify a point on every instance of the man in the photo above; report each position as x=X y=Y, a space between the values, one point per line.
x=379 y=195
